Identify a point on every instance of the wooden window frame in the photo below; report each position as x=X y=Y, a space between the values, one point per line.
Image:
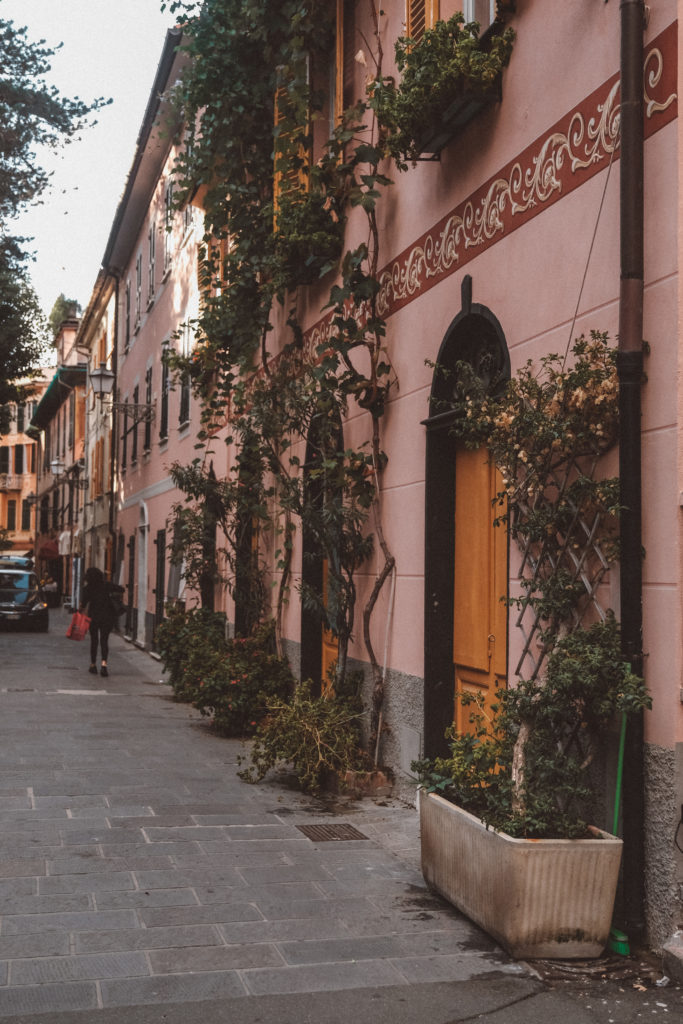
x=420 y=15
x=151 y=268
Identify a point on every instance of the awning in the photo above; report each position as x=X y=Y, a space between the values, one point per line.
x=65 y=379
x=65 y=543
x=49 y=549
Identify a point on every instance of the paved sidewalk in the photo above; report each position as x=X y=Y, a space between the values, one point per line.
x=141 y=881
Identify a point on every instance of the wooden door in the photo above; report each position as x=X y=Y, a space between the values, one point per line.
x=330 y=644
x=480 y=611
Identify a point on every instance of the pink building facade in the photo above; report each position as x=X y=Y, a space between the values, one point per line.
x=512 y=238
x=152 y=256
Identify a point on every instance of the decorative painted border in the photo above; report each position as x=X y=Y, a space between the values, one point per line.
x=575 y=149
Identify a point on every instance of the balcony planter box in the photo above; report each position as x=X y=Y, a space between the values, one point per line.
x=460 y=112
x=550 y=898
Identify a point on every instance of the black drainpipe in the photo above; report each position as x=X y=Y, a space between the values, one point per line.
x=630 y=370
x=114 y=449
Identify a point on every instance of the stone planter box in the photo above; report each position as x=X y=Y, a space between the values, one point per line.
x=550 y=898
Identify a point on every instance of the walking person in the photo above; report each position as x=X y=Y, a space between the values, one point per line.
x=102 y=602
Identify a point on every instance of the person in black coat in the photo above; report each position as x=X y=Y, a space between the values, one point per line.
x=99 y=601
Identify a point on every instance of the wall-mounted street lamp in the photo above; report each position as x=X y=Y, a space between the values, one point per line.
x=58 y=470
x=102 y=383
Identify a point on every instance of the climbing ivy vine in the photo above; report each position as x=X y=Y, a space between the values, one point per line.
x=275 y=215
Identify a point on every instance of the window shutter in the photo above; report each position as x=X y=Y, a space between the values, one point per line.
x=288 y=143
x=420 y=15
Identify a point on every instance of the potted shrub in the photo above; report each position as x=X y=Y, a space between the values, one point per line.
x=504 y=815
x=318 y=737
x=447 y=77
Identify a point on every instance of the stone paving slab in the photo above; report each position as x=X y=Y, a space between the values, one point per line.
x=172 y=988
x=48 y=999
x=178 y=938
x=89 y=967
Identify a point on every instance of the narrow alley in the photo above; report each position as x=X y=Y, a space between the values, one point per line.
x=141 y=880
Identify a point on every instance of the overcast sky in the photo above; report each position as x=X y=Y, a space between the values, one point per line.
x=111 y=48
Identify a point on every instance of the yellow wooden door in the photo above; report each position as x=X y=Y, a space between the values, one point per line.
x=480 y=611
x=330 y=644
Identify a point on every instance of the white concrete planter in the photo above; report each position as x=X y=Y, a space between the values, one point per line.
x=537 y=897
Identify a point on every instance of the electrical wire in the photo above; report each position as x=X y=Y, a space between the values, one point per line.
x=590 y=253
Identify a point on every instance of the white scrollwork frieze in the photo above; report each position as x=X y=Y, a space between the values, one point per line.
x=651 y=78
x=586 y=142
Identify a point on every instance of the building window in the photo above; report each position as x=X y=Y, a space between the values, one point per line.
x=185 y=343
x=188 y=218
x=32 y=458
x=25 y=516
x=97 y=473
x=147 y=440
x=72 y=417
x=134 y=428
x=165 y=388
x=420 y=15
x=127 y=318
x=4 y=460
x=11 y=514
x=21 y=418
x=151 y=270
x=138 y=288
x=483 y=11
x=292 y=155
x=343 y=75
x=168 y=223
x=18 y=459
x=124 y=440
x=44 y=515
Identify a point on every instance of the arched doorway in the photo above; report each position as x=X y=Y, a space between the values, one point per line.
x=465 y=555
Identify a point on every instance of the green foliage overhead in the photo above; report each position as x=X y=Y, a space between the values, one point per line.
x=62 y=309
x=33 y=117
x=23 y=330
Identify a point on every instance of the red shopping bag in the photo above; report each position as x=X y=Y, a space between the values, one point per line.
x=78 y=626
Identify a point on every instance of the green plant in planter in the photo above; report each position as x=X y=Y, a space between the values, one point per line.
x=308 y=238
x=187 y=641
x=528 y=772
x=317 y=736
x=566 y=718
x=235 y=688
x=449 y=61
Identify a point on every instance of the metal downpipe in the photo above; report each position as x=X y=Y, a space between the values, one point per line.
x=630 y=372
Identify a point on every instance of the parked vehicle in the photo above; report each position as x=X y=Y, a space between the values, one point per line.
x=22 y=601
x=16 y=562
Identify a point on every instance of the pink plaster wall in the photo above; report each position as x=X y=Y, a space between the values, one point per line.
x=530 y=278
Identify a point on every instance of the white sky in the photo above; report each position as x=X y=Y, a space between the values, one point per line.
x=111 y=48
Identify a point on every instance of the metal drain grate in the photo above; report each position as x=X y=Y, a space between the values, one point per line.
x=330 y=833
